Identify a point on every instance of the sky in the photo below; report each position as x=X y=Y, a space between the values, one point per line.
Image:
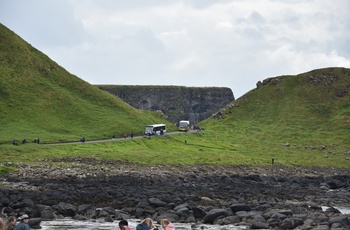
x=202 y=43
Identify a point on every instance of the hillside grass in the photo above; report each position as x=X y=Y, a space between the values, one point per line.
x=281 y=121
x=40 y=99
x=205 y=147
x=301 y=120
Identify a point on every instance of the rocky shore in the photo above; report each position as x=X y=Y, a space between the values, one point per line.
x=271 y=197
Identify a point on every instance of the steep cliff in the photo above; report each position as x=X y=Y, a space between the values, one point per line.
x=176 y=102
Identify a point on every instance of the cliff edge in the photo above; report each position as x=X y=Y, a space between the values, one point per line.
x=176 y=102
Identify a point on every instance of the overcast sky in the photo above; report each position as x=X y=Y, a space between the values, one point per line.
x=228 y=43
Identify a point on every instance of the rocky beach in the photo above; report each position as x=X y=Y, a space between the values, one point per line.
x=270 y=197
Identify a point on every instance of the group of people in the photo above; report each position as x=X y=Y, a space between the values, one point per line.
x=147 y=224
x=11 y=223
x=25 y=141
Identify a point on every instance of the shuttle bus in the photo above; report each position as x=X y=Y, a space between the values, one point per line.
x=184 y=126
x=156 y=129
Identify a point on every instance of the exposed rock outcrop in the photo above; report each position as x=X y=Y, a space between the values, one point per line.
x=271 y=197
x=176 y=102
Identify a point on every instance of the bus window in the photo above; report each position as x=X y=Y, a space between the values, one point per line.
x=156 y=129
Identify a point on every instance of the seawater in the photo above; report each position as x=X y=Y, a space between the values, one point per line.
x=67 y=224
x=343 y=210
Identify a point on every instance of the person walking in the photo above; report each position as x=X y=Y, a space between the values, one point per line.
x=23 y=224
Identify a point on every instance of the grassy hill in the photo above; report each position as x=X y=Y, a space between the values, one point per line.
x=310 y=106
x=39 y=99
x=301 y=120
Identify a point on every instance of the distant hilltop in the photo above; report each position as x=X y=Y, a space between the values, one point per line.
x=176 y=102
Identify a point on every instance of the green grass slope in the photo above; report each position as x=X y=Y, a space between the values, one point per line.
x=39 y=99
x=297 y=119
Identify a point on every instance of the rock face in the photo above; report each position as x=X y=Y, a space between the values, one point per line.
x=176 y=102
x=270 y=197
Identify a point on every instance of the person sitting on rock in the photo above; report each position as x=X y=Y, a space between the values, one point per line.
x=124 y=225
x=23 y=224
x=146 y=224
x=167 y=225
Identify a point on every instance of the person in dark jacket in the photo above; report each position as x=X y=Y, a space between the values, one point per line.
x=146 y=224
x=23 y=224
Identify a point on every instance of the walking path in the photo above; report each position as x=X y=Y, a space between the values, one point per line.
x=118 y=139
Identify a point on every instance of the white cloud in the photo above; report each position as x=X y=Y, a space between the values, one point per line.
x=195 y=43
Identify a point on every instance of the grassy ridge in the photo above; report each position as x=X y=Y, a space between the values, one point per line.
x=308 y=111
x=39 y=99
x=310 y=106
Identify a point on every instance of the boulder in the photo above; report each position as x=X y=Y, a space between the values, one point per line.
x=198 y=213
x=34 y=223
x=183 y=212
x=155 y=202
x=240 y=207
x=170 y=215
x=65 y=209
x=259 y=225
x=213 y=214
x=48 y=214
x=342 y=221
x=228 y=220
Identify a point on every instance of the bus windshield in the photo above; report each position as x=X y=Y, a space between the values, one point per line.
x=184 y=125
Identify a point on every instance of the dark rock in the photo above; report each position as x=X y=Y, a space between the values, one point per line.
x=242 y=214
x=173 y=217
x=80 y=217
x=34 y=223
x=190 y=219
x=109 y=210
x=109 y=219
x=65 y=209
x=335 y=184
x=259 y=225
x=156 y=202
x=332 y=210
x=228 y=220
x=253 y=176
x=183 y=212
x=287 y=224
x=213 y=214
x=4 y=201
x=100 y=213
x=340 y=221
x=48 y=215
x=198 y=213
x=281 y=196
x=240 y=207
